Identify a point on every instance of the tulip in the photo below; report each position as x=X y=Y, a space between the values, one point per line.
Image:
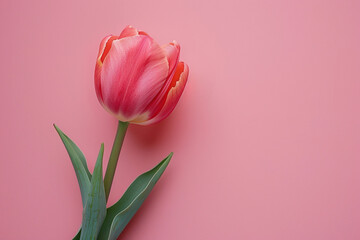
x=136 y=79
x=139 y=82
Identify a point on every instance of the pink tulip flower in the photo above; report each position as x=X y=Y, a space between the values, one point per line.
x=136 y=79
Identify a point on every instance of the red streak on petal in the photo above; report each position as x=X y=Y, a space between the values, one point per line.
x=174 y=80
x=107 y=48
x=176 y=76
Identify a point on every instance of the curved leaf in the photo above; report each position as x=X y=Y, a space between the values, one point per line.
x=119 y=215
x=79 y=163
x=80 y=156
x=95 y=208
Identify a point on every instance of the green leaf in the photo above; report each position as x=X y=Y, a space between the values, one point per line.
x=79 y=163
x=95 y=208
x=119 y=215
x=81 y=156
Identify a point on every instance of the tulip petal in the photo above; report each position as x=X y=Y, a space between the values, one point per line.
x=97 y=78
x=130 y=31
x=132 y=74
x=172 y=53
x=173 y=95
x=105 y=44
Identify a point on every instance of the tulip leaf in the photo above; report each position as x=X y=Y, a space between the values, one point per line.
x=81 y=157
x=79 y=163
x=95 y=208
x=119 y=215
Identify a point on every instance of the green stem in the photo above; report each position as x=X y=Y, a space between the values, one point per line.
x=114 y=156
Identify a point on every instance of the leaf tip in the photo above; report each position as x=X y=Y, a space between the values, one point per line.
x=168 y=158
x=57 y=129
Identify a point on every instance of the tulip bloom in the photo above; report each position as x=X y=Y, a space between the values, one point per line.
x=136 y=79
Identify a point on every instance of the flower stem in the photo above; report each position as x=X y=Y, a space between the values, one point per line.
x=114 y=156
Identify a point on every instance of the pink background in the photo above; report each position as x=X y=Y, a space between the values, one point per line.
x=266 y=135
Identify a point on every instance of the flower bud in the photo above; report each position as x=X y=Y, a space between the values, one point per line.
x=136 y=79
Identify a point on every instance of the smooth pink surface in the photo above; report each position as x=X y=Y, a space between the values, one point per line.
x=266 y=135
